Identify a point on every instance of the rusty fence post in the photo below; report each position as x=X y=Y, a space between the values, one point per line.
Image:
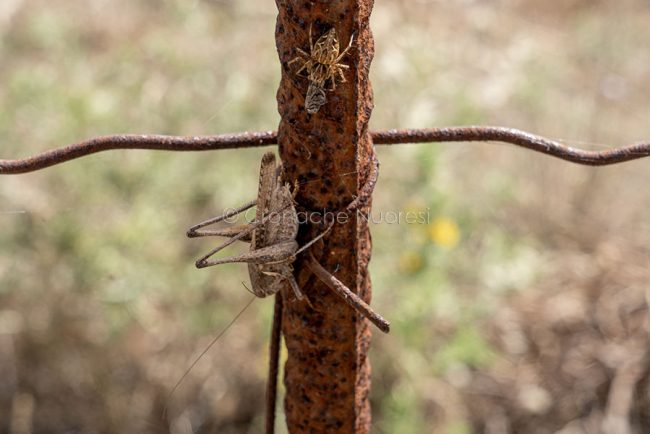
x=327 y=374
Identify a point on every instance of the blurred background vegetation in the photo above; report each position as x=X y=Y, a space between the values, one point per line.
x=517 y=309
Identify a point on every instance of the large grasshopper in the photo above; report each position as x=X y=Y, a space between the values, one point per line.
x=273 y=245
x=272 y=235
x=273 y=248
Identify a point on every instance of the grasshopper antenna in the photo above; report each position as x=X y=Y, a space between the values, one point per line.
x=250 y=291
x=178 y=383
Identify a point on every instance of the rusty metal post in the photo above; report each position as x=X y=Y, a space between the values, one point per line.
x=327 y=374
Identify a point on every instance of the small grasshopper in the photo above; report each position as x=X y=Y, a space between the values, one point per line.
x=321 y=64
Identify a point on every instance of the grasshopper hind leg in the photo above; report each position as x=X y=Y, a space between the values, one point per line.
x=294 y=285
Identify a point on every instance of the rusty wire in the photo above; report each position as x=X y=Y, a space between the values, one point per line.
x=137 y=141
x=274 y=361
x=385 y=137
x=514 y=137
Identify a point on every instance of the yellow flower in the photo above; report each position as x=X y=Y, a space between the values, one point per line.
x=444 y=232
x=410 y=261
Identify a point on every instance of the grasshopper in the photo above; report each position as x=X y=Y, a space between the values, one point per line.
x=273 y=248
x=321 y=64
x=272 y=237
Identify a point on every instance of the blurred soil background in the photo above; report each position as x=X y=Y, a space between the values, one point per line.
x=521 y=306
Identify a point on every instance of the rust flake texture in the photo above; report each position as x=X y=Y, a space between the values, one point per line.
x=327 y=373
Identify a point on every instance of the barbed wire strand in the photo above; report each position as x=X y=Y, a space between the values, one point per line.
x=386 y=137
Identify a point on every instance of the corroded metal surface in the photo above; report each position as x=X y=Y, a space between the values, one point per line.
x=514 y=137
x=347 y=296
x=274 y=359
x=385 y=137
x=137 y=141
x=329 y=154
